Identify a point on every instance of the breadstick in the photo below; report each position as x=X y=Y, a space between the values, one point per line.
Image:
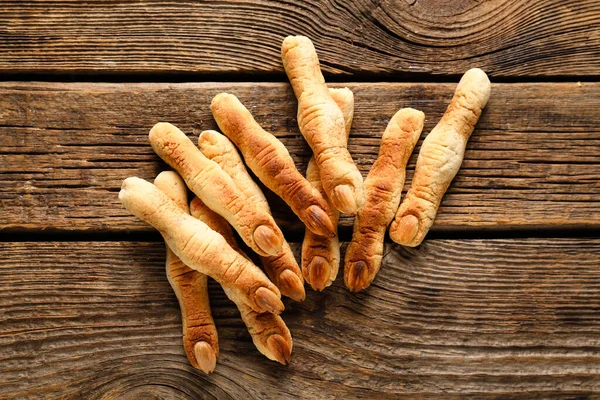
x=200 y=339
x=440 y=158
x=270 y=161
x=383 y=188
x=321 y=123
x=216 y=189
x=199 y=247
x=282 y=269
x=269 y=333
x=321 y=255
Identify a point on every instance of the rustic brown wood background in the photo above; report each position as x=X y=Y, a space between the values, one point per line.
x=501 y=301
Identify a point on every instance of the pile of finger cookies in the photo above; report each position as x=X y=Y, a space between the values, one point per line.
x=199 y=234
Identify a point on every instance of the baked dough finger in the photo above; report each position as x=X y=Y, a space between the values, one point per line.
x=200 y=339
x=440 y=159
x=383 y=188
x=321 y=123
x=216 y=189
x=268 y=331
x=271 y=162
x=199 y=247
x=321 y=255
x=282 y=269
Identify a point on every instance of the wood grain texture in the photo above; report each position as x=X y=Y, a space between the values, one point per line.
x=504 y=37
x=486 y=318
x=65 y=149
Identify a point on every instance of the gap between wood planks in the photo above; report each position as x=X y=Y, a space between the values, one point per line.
x=258 y=77
x=295 y=236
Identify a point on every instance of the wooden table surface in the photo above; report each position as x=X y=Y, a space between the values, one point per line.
x=501 y=301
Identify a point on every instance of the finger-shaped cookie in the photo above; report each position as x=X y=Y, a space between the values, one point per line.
x=271 y=162
x=383 y=188
x=440 y=159
x=321 y=123
x=200 y=247
x=321 y=255
x=200 y=339
x=216 y=189
x=283 y=268
x=268 y=331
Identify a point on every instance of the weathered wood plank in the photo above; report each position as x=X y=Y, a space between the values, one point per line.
x=65 y=148
x=515 y=318
x=506 y=38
